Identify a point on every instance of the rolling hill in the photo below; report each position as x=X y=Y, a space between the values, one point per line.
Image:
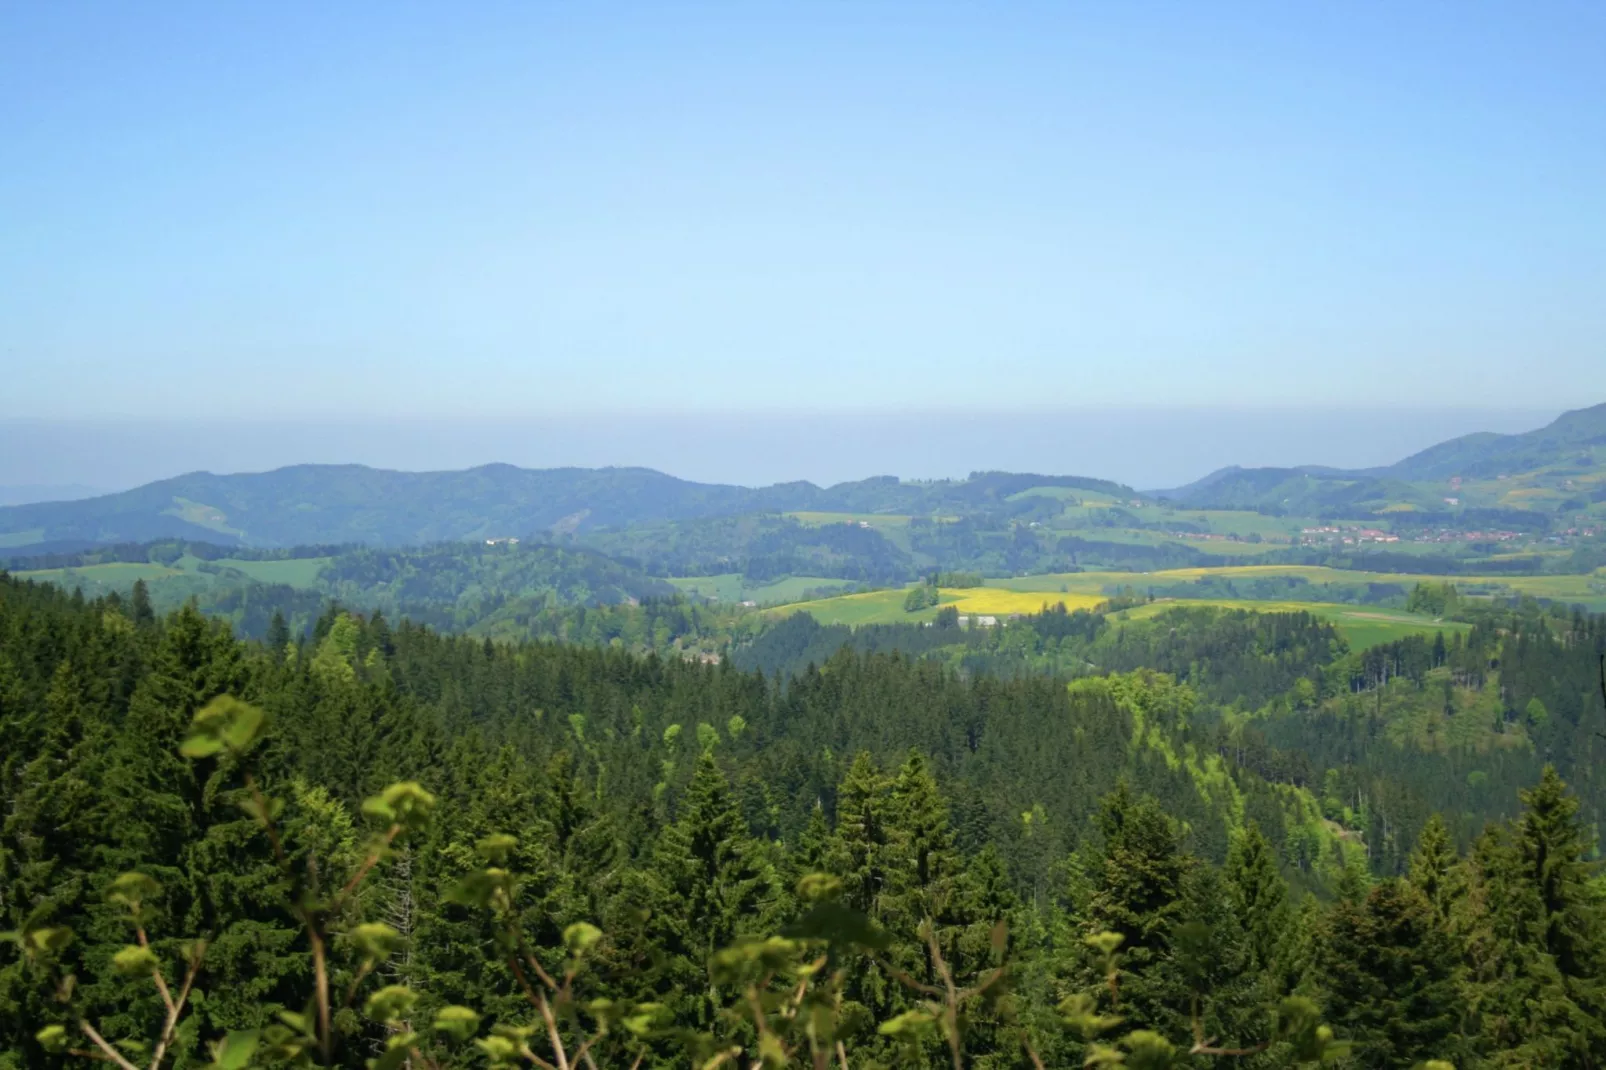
x=1557 y=468
x=1560 y=465
x=309 y=504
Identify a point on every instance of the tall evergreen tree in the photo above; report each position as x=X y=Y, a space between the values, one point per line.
x=1435 y=869
x=1388 y=970
x=1260 y=896
x=711 y=884
x=1138 y=888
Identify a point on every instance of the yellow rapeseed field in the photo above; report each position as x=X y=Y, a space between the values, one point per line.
x=992 y=600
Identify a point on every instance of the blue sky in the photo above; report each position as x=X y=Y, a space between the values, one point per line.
x=394 y=211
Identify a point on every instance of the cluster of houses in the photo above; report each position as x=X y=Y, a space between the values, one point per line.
x=1330 y=533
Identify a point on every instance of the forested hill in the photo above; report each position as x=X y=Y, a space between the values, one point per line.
x=353 y=504
x=649 y=822
x=1572 y=436
x=1574 y=444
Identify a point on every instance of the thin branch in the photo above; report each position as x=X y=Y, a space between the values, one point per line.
x=362 y=972
x=524 y=981
x=156 y=971
x=553 y=1036
x=760 y=1020
x=264 y=816
x=1201 y=1046
x=525 y=1051
x=950 y=996
x=842 y=1055
x=539 y=1002
x=907 y=981
x=584 y=1054
x=100 y=1042
x=362 y=870
x=321 y=973
x=176 y=1007
x=424 y=1059
x=1031 y=1053
x=535 y=964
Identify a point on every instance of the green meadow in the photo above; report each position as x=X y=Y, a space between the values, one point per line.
x=1361 y=626
x=183 y=576
x=111 y=576
x=731 y=587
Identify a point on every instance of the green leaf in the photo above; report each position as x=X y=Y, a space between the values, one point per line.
x=244 y=726
x=134 y=960
x=406 y=804
x=459 y=1023
x=200 y=745
x=500 y=1051
x=53 y=1038
x=1105 y=943
x=477 y=889
x=495 y=848
x=1080 y=1012
x=391 y=1003
x=398 y=1048
x=132 y=890
x=1149 y=1050
x=815 y=887
x=909 y=1025
x=301 y=1023
x=581 y=937
x=236 y=1049
x=375 y=939
x=50 y=941
x=225 y=722
x=771 y=1051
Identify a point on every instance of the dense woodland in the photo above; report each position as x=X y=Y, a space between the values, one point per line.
x=1250 y=844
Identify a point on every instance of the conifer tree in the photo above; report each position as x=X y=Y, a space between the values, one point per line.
x=928 y=874
x=1137 y=893
x=278 y=638
x=1435 y=869
x=1260 y=895
x=711 y=884
x=139 y=605
x=1518 y=1008
x=1553 y=849
x=1388 y=971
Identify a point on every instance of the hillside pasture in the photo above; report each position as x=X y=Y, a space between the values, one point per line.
x=733 y=587
x=874 y=520
x=1361 y=626
x=111 y=576
x=298 y=572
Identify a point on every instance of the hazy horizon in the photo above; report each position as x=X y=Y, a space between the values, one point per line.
x=1147 y=448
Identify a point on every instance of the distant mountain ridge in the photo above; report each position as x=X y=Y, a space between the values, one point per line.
x=1577 y=437
x=328 y=504
x=306 y=504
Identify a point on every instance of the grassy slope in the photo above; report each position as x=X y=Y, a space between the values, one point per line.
x=1589 y=590
x=730 y=587
x=115 y=575
x=120 y=575
x=1362 y=626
